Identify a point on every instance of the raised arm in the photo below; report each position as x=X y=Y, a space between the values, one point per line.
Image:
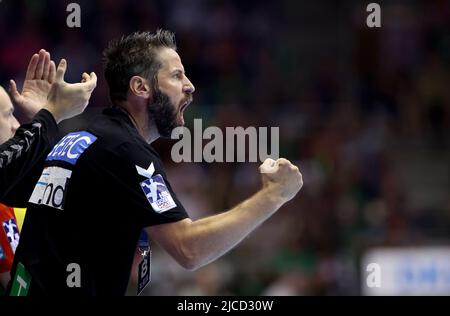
x=196 y=243
x=47 y=94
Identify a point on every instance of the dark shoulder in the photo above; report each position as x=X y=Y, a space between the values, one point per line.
x=139 y=153
x=104 y=122
x=115 y=137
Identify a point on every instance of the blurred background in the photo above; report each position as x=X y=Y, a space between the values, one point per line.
x=365 y=113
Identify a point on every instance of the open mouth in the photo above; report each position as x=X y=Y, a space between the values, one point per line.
x=182 y=108
x=185 y=105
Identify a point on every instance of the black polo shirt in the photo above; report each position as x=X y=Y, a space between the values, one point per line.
x=100 y=187
x=22 y=156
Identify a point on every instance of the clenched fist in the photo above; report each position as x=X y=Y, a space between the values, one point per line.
x=281 y=178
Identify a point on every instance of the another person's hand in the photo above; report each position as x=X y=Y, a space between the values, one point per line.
x=38 y=81
x=66 y=100
x=281 y=179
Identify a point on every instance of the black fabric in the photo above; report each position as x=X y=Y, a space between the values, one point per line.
x=104 y=211
x=22 y=158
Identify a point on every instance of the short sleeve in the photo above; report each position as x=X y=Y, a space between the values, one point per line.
x=147 y=189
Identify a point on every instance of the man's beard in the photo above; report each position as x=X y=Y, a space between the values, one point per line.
x=163 y=113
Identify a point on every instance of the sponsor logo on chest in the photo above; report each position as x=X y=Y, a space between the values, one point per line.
x=71 y=147
x=51 y=188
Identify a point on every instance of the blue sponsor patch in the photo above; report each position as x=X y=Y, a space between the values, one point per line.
x=71 y=147
x=157 y=194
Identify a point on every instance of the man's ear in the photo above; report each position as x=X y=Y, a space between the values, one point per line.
x=140 y=87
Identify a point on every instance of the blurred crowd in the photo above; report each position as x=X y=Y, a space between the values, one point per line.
x=365 y=113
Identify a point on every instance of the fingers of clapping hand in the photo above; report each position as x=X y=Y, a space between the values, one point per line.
x=61 y=70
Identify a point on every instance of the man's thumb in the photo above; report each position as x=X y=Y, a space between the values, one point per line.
x=60 y=72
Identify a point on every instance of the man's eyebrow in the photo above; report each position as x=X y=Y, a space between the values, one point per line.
x=178 y=70
x=8 y=110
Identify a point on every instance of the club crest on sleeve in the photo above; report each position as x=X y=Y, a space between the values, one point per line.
x=12 y=233
x=158 y=194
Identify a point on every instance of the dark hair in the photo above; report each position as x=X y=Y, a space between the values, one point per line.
x=134 y=55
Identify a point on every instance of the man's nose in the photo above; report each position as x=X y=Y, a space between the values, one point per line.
x=188 y=87
x=15 y=125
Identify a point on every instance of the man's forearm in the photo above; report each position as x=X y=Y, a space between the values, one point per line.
x=209 y=238
x=20 y=154
x=196 y=243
